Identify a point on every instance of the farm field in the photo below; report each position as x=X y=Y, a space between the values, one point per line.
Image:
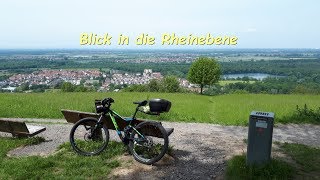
x=226 y=82
x=232 y=109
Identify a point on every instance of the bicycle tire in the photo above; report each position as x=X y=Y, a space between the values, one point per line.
x=99 y=135
x=147 y=142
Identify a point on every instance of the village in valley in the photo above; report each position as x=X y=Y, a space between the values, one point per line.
x=89 y=77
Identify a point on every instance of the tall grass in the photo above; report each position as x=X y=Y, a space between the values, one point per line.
x=232 y=109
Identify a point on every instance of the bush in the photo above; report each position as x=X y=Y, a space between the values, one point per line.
x=67 y=87
x=303 y=115
x=168 y=84
x=214 y=90
x=240 y=92
x=154 y=85
x=136 y=88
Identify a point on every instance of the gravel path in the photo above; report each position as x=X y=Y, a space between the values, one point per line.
x=200 y=150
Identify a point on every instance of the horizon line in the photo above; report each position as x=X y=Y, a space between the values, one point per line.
x=268 y=48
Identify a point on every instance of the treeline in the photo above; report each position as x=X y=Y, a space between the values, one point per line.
x=28 y=66
x=34 y=88
x=63 y=86
x=4 y=77
x=69 y=87
x=169 y=84
x=275 y=67
x=305 y=67
x=286 y=85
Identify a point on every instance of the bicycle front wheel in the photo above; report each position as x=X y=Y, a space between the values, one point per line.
x=87 y=138
x=148 y=142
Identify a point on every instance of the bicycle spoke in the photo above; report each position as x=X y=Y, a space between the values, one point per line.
x=87 y=140
x=145 y=148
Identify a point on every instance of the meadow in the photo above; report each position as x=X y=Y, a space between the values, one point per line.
x=231 y=109
x=226 y=82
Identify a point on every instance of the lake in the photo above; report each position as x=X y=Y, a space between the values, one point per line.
x=259 y=76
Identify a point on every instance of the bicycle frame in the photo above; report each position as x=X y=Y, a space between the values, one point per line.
x=112 y=115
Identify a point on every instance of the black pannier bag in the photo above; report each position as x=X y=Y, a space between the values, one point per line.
x=159 y=105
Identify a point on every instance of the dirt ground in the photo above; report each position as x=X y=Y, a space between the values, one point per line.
x=200 y=151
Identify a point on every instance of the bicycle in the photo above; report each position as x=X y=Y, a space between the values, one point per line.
x=147 y=141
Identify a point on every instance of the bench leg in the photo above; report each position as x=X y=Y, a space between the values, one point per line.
x=19 y=135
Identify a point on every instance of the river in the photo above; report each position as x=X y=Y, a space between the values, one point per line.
x=258 y=76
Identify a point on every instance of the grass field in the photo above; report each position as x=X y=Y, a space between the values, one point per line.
x=275 y=169
x=232 y=109
x=226 y=82
x=303 y=163
x=65 y=164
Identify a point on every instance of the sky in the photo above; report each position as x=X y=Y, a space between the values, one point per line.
x=42 y=24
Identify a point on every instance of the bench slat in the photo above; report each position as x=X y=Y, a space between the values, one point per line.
x=74 y=116
x=33 y=130
x=20 y=129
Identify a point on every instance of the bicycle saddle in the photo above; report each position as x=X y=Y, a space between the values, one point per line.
x=141 y=103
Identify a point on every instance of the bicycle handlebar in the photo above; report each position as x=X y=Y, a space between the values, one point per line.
x=107 y=101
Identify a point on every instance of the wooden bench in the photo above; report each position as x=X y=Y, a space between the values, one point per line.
x=20 y=129
x=74 y=116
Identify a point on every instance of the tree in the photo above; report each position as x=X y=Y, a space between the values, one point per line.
x=170 y=84
x=82 y=81
x=67 y=87
x=204 y=71
x=154 y=85
x=80 y=88
x=24 y=86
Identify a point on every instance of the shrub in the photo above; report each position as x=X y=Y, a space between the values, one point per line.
x=303 y=115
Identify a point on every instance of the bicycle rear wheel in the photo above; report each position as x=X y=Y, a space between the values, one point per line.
x=148 y=142
x=87 y=138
